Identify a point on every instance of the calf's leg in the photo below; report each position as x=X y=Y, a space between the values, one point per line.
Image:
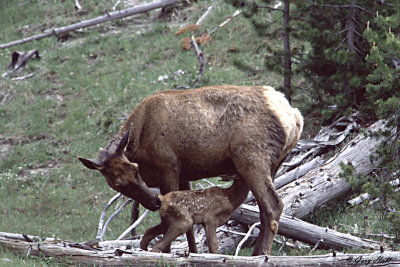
x=174 y=230
x=211 y=234
x=185 y=185
x=150 y=234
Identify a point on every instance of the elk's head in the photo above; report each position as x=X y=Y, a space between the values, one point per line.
x=123 y=175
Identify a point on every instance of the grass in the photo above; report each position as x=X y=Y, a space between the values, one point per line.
x=80 y=92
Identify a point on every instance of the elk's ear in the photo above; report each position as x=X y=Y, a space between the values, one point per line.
x=91 y=164
x=124 y=142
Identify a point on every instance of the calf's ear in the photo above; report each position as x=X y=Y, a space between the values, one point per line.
x=91 y=164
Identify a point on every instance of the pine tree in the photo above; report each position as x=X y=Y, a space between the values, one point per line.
x=383 y=101
x=383 y=88
x=335 y=66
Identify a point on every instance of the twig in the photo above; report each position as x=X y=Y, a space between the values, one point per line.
x=245 y=238
x=23 y=77
x=200 y=20
x=116 y=4
x=316 y=246
x=77 y=5
x=381 y=235
x=103 y=214
x=134 y=225
x=237 y=13
x=201 y=60
x=366 y=196
x=236 y=232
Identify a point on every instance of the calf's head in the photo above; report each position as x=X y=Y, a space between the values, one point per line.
x=123 y=175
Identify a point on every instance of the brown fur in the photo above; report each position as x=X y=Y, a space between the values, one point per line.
x=179 y=210
x=187 y=28
x=203 y=39
x=178 y=136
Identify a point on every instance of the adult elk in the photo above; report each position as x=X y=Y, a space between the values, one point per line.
x=174 y=137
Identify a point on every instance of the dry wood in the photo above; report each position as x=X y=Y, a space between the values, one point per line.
x=366 y=196
x=200 y=57
x=306 y=232
x=119 y=256
x=324 y=184
x=298 y=172
x=91 y=22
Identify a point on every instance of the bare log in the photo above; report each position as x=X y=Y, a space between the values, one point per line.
x=306 y=232
x=297 y=172
x=118 y=256
x=324 y=184
x=91 y=22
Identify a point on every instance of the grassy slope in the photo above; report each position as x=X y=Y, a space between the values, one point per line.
x=75 y=101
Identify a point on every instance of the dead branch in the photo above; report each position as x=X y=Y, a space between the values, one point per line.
x=59 y=249
x=234 y=15
x=366 y=196
x=112 y=217
x=246 y=237
x=19 y=59
x=134 y=225
x=201 y=60
x=324 y=184
x=297 y=172
x=91 y=22
x=103 y=215
x=200 y=20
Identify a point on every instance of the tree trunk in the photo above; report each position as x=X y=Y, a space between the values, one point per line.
x=324 y=184
x=306 y=232
x=287 y=65
x=60 y=250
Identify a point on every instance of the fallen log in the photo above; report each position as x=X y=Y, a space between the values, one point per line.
x=324 y=184
x=91 y=22
x=60 y=250
x=306 y=232
x=298 y=172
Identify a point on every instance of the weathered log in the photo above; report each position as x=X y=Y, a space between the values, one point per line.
x=297 y=173
x=324 y=184
x=91 y=22
x=118 y=256
x=306 y=232
x=328 y=138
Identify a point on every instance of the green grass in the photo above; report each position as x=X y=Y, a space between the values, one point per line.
x=80 y=92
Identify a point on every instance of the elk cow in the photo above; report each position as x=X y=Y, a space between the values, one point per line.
x=179 y=210
x=177 y=136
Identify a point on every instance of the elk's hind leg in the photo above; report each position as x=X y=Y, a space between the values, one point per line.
x=255 y=169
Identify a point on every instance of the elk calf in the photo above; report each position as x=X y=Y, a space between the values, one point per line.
x=179 y=210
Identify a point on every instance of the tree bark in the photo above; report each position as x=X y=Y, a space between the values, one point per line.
x=324 y=184
x=87 y=23
x=287 y=65
x=61 y=249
